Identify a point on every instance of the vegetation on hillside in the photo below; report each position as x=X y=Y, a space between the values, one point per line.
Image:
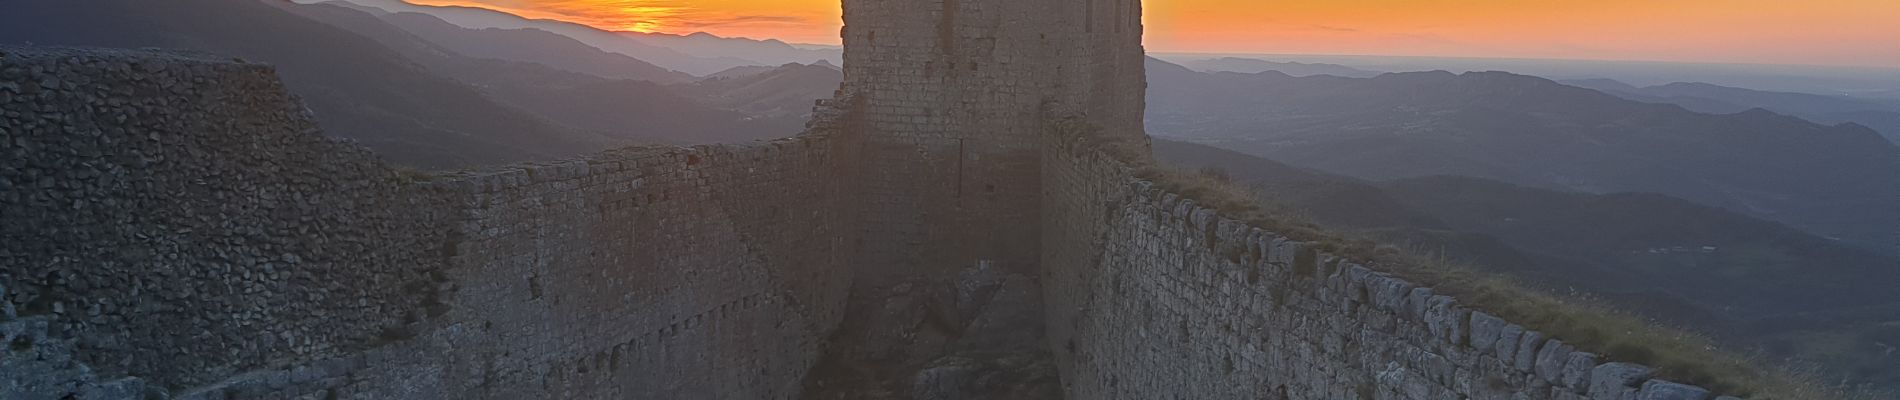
x=1677 y=354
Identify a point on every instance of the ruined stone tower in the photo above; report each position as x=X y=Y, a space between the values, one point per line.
x=953 y=93
x=949 y=101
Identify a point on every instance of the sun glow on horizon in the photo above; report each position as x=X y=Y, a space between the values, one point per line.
x=1831 y=32
x=1826 y=32
x=649 y=26
x=807 y=21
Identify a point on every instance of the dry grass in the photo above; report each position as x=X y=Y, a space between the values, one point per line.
x=1678 y=355
x=407 y=175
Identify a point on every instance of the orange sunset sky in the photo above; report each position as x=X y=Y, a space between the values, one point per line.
x=1829 y=32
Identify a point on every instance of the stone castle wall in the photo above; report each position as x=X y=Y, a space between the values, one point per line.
x=706 y=273
x=713 y=272
x=1149 y=295
x=178 y=219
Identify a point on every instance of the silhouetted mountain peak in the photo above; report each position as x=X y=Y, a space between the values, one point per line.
x=377 y=11
x=1417 y=76
x=1715 y=99
x=1856 y=126
x=1841 y=133
x=1162 y=66
x=529 y=44
x=1690 y=86
x=1501 y=76
x=1254 y=65
x=698 y=55
x=786 y=91
x=739 y=71
x=1274 y=74
x=1601 y=84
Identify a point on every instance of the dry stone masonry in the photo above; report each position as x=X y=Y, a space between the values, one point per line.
x=175 y=226
x=177 y=221
x=1152 y=296
x=177 y=218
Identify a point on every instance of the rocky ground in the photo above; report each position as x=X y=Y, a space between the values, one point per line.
x=974 y=336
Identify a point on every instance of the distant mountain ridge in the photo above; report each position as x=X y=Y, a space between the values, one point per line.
x=738 y=72
x=1708 y=98
x=790 y=90
x=696 y=54
x=760 y=51
x=624 y=109
x=1254 y=66
x=358 y=88
x=1836 y=181
x=414 y=101
x=526 y=45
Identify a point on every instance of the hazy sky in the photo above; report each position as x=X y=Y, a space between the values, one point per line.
x=1836 y=32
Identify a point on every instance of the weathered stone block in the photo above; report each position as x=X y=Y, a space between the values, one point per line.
x=1446 y=320
x=1505 y=347
x=1560 y=394
x=1528 y=345
x=1577 y=371
x=7 y=312
x=1418 y=302
x=1391 y=293
x=1551 y=359
x=1617 y=381
x=1658 y=389
x=1485 y=330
